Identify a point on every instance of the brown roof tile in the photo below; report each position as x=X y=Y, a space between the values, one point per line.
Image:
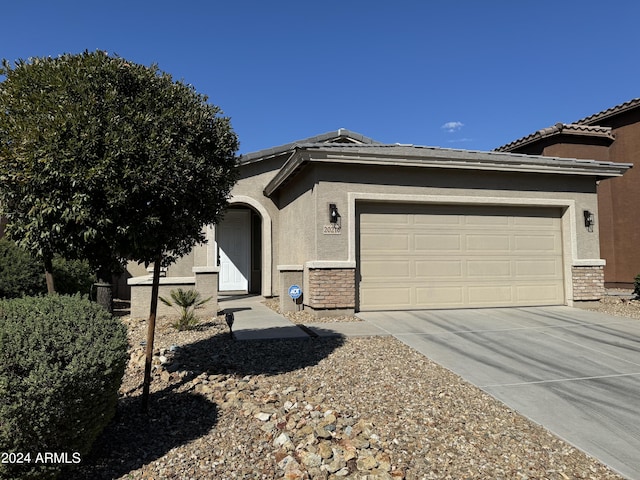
x=558 y=128
x=610 y=112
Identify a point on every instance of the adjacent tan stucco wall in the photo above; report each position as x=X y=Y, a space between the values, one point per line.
x=203 y=279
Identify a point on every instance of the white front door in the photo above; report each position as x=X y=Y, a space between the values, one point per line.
x=234 y=240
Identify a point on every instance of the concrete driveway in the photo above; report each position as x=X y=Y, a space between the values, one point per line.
x=575 y=372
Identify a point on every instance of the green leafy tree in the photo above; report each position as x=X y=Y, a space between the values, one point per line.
x=107 y=160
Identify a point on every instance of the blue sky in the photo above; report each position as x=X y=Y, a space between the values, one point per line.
x=455 y=74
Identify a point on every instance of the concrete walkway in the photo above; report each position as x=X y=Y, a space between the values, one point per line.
x=575 y=372
x=255 y=321
x=345 y=329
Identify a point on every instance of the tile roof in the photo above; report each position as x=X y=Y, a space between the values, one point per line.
x=610 y=112
x=558 y=128
x=341 y=136
x=585 y=126
x=436 y=157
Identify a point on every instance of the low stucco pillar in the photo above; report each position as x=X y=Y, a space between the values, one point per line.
x=206 y=282
x=290 y=275
x=141 y=294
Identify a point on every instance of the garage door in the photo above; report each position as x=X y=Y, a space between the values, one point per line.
x=419 y=257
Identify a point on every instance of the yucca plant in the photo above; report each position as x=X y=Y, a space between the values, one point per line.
x=186 y=302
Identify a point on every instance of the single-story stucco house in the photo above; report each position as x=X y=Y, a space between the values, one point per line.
x=360 y=225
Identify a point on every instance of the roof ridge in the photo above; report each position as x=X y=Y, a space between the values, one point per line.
x=609 y=112
x=558 y=128
x=328 y=137
x=335 y=134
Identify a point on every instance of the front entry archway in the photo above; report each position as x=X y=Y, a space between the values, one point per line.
x=248 y=232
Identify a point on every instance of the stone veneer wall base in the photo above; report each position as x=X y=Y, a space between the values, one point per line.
x=331 y=291
x=588 y=282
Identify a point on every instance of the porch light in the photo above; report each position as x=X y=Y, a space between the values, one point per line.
x=229 y=318
x=588 y=220
x=333 y=213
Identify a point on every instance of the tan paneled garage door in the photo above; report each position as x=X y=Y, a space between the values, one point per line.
x=439 y=256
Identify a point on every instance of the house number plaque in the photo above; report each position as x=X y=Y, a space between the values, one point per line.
x=332 y=229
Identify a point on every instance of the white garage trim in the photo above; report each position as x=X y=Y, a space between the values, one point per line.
x=570 y=249
x=414 y=256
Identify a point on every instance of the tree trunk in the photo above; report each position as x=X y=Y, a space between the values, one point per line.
x=151 y=327
x=104 y=293
x=48 y=274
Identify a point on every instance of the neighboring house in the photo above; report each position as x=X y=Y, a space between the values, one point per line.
x=611 y=135
x=361 y=225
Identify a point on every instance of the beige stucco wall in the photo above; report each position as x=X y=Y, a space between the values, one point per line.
x=298 y=218
x=335 y=185
x=299 y=209
x=182 y=267
x=253 y=178
x=251 y=183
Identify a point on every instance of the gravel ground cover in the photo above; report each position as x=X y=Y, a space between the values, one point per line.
x=322 y=408
x=305 y=317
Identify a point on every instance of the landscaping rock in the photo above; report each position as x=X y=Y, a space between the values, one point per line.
x=359 y=408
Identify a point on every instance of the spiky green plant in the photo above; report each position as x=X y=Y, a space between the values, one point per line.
x=186 y=302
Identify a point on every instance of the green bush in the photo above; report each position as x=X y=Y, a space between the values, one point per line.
x=636 y=286
x=72 y=276
x=20 y=273
x=62 y=360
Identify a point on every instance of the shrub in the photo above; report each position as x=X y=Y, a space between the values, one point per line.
x=72 y=276
x=20 y=273
x=186 y=302
x=636 y=285
x=62 y=360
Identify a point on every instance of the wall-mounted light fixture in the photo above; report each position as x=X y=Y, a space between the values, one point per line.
x=588 y=220
x=333 y=213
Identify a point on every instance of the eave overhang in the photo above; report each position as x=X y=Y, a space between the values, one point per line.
x=438 y=158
